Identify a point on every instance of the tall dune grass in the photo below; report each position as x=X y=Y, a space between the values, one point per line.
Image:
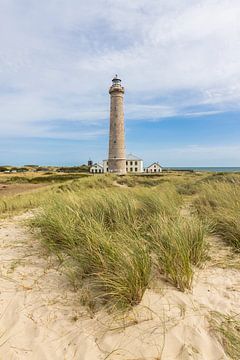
x=32 y=199
x=24 y=201
x=95 y=235
x=178 y=244
x=227 y=330
x=220 y=202
x=109 y=237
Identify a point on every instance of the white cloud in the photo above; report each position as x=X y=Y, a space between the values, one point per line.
x=196 y=155
x=57 y=59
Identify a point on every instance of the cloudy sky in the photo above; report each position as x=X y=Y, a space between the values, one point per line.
x=179 y=61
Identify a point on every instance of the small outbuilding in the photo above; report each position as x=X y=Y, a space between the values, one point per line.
x=153 y=168
x=96 y=168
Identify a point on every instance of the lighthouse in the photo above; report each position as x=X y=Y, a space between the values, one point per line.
x=116 y=154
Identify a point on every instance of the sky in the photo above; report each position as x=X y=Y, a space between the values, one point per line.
x=179 y=61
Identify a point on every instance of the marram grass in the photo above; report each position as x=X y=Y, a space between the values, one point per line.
x=24 y=201
x=220 y=203
x=227 y=330
x=178 y=244
x=110 y=240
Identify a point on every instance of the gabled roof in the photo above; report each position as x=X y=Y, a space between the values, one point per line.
x=97 y=164
x=132 y=157
x=155 y=163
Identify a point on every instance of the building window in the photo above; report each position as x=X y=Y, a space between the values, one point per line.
x=131 y=162
x=135 y=162
x=126 y=162
x=136 y=169
x=131 y=169
x=114 y=141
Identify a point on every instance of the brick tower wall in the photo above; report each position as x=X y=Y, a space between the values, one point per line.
x=117 y=155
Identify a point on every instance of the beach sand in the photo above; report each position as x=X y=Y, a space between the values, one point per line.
x=41 y=317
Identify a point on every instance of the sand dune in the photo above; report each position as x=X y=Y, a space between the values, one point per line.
x=40 y=315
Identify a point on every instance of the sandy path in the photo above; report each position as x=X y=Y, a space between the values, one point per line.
x=37 y=307
x=40 y=315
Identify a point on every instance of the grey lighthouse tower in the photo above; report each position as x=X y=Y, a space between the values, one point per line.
x=116 y=155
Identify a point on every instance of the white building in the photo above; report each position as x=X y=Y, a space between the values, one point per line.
x=96 y=168
x=133 y=164
x=153 y=168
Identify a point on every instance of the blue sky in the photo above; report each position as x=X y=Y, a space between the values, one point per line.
x=179 y=61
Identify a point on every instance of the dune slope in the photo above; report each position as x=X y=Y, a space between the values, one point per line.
x=41 y=316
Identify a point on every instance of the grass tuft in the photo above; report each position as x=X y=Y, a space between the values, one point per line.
x=108 y=238
x=178 y=244
x=220 y=203
x=227 y=329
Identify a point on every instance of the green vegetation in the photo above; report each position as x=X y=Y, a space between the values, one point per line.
x=142 y=180
x=223 y=177
x=187 y=188
x=111 y=240
x=24 y=201
x=220 y=203
x=227 y=329
x=21 y=202
x=3 y=168
x=74 y=169
x=43 y=179
x=179 y=245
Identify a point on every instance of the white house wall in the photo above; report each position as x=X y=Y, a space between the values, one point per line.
x=132 y=166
